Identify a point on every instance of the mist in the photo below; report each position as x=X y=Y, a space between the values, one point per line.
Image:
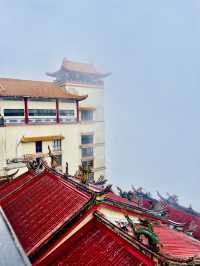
x=152 y=97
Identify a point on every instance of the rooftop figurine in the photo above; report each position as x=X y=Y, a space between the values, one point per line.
x=54 y=160
x=145 y=230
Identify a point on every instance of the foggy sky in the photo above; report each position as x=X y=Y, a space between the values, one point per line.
x=152 y=49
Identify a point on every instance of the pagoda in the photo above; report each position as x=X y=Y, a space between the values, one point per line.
x=75 y=72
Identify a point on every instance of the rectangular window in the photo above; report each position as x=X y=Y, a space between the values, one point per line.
x=87 y=152
x=89 y=163
x=13 y=112
x=66 y=112
x=87 y=139
x=42 y=112
x=86 y=115
x=38 y=146
x=57 y=145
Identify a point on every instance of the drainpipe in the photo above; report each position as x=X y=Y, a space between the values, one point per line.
x=77 y=111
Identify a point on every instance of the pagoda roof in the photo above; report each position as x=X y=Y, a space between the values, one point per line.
x=35 y=89
x=102 y=237
x=179 y=214
x=84 y=68
x=95 y=244
x=38 y=207
x=174 y=245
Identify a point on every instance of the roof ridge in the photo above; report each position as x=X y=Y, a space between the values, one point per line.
x=18 y=79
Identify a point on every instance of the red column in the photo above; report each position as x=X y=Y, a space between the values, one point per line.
x=26 y=110
x=57 y=112
x=77 y=111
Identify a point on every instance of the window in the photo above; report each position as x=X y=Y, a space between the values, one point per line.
x=86 y=115
x=66 y=112
x=42 y=112
x=57 y=145
x=89 y=163
x=13 y=112
x=38 y=146
x=87 y=152
x=87 y=139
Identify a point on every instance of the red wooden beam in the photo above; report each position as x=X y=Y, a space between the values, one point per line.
x=77 y=111
x=57 y=112
x=26 y=110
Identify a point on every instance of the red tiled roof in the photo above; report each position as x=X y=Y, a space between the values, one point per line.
x=95 y=245
x=174 y=245
x=35 y=89
x=181 y=216
x=11 y=186
x=177 y=244
x=41 y=207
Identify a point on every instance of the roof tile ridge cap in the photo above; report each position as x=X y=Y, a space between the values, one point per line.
x=138 y=209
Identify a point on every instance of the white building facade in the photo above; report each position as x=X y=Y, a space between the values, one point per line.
x=66 y=114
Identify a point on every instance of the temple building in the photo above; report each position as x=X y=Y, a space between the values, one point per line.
x=57 y=219
x=66 y=114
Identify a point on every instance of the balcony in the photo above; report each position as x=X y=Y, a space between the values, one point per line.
x=36 y=121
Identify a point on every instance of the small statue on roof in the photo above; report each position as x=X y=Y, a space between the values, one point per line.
x=84 y=173
x=66 y=168
x=172 y=198
x=145 y=230
x=54 y=160
x=36 y=165
x=101 y=180
x=190 y=227
x=126 y=195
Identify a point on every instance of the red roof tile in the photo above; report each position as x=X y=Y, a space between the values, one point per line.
x=177 y=244
x=180 y=216
x=95 y=245
x=35 y=89
x=11 y=186
x=41 y=207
